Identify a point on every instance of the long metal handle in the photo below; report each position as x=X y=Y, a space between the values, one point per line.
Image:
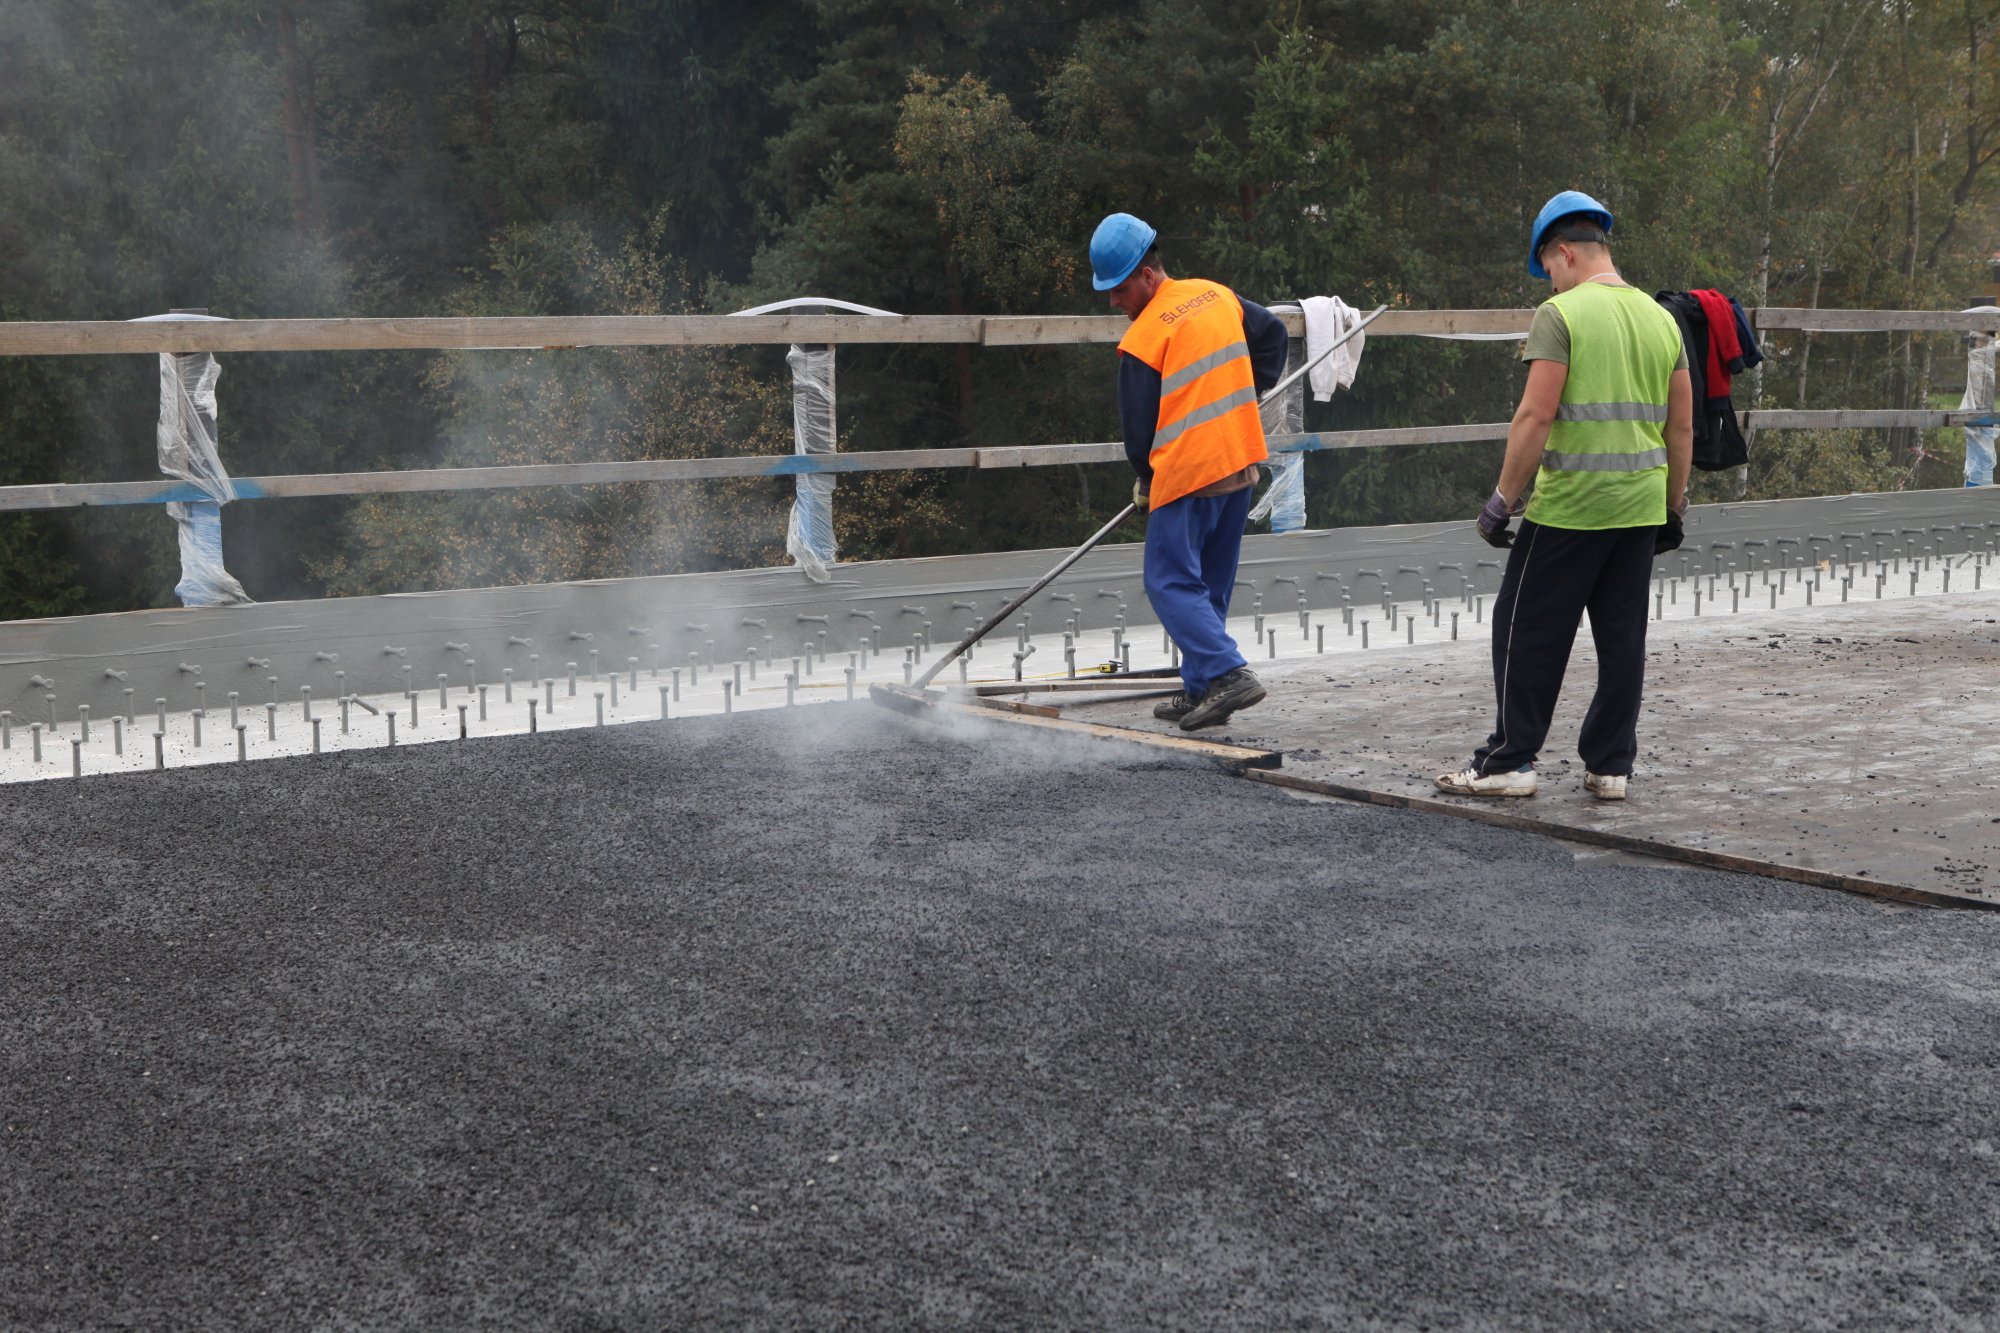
x=1044 y=581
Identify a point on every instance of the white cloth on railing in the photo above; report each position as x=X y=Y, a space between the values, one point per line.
x=1327 y=318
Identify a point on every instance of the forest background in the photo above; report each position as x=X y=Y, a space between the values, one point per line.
x=279 y=158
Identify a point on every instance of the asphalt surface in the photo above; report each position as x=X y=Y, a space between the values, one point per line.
x=824 y=1020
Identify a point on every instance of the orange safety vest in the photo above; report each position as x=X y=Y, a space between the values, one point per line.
x=1209 y=428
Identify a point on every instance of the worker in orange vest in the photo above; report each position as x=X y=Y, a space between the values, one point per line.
x=1190 y=370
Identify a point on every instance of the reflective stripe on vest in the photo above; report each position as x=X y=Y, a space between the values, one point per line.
x=1605 y=463
x=1188 y=374
x=1172 y=431
x=1612 y=412
x=1652 y=458
x=1208 y=427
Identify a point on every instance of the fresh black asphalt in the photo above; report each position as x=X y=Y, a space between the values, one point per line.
x=828 y=1019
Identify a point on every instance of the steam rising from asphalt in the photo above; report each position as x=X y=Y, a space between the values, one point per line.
x=127 y=196
x=836 y=743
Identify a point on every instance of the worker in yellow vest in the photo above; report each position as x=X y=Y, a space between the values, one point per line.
x=1190 y=370
x=1605 y=429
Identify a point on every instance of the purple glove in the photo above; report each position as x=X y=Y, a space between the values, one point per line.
x=1493 y=521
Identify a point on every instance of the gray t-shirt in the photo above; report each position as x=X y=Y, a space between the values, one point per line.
x=1548 y=338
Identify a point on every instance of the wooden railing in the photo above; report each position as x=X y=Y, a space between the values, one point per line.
x=562 y=332
x=538 y=332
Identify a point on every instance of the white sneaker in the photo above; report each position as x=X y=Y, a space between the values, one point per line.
x=1604 y=786
x=1468 y=782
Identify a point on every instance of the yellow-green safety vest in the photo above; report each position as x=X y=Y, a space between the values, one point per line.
x=1605 y=463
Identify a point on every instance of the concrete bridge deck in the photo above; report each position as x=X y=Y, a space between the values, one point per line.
x=1857 y=745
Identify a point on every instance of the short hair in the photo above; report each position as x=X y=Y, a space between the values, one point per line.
x=1577 y=229
x=1151 y=260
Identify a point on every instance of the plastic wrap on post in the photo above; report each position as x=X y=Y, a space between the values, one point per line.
x=1284 y=501
x=187 y=445
x=187 y=450
x=187 y=437
x=809 y=537
x=1978 y=397
x=204 y=581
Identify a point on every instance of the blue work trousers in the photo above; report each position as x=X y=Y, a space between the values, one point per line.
x=1192 y=546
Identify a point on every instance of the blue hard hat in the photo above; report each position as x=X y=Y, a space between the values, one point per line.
x=1566 y=204
x=1116 y=248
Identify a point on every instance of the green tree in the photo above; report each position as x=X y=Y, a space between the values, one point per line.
x=1291 y=197
x=274 y=158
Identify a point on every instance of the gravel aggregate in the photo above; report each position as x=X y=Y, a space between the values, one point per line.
x=831 y=1019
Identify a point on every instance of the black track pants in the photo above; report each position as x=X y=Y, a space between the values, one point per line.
x=1553 y=576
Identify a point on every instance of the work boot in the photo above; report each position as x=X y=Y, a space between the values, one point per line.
x=1239 y=689
x=1176 y=708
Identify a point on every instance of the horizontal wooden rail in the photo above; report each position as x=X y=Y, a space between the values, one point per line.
x=516 y=333
x=1771 y=418
x=541 y=333
x=164 y=491
x=536 y=332
x=424 y=480
x=1051 y=330
x=1986 y=319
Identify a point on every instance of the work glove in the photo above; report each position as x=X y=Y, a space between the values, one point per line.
x=1669 y=536
x=1139 y=497
x=1493 y=521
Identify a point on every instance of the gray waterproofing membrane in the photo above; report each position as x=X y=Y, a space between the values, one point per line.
x=660 y=621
